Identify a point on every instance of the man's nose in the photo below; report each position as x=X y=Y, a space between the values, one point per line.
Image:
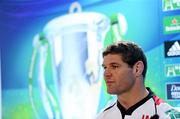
x=107 y=73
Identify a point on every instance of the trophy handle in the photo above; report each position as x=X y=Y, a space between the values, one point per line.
x=50 y=104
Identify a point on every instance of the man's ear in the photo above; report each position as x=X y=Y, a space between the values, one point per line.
x=138 y=68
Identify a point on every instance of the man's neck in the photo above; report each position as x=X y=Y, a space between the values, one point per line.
x=132 y=97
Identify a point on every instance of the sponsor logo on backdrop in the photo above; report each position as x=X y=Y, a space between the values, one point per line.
x=173 y=91
x=171 y=24
x=172 y=48
x=170 y=5
x=172 y=70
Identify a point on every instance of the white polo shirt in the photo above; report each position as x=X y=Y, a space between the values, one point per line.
x=148 y=107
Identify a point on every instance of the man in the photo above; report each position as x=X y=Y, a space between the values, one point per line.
x=125 y=68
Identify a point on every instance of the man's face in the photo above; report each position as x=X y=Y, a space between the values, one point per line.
x=119 y=77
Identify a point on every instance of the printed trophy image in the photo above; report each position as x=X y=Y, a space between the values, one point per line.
x=66 y=64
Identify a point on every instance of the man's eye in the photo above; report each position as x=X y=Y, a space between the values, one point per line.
x=115 y=67
x=104 y=67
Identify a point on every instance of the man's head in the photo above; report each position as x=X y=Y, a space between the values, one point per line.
x=130 y=53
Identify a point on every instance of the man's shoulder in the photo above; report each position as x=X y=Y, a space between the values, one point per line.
x=106 y=111
x=110 y=106
x=166 y=109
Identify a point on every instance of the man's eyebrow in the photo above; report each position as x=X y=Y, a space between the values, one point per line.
x=114 y=63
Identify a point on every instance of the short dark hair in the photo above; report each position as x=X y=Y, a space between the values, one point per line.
x=130 y=53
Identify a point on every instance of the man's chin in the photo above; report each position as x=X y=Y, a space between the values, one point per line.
x=110 y=92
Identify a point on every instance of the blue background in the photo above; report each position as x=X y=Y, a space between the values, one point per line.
x=21 y=20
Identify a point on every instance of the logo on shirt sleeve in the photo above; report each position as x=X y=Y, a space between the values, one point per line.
x=174 y=114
